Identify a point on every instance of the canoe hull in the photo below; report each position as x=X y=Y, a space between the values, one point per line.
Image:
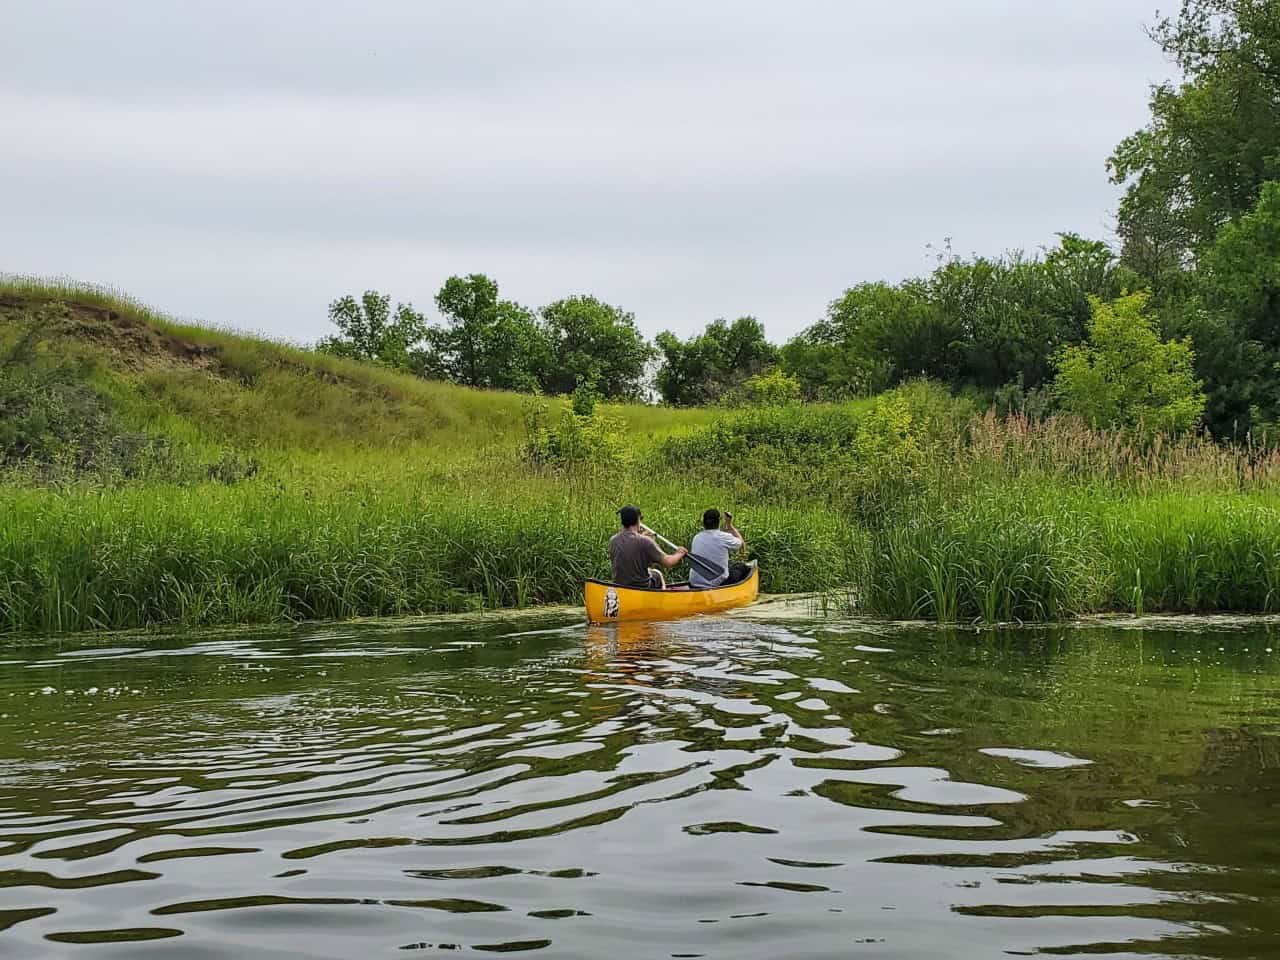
x=609 y=603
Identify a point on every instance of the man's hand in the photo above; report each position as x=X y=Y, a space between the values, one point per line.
x=671 y=559
x=734 y=531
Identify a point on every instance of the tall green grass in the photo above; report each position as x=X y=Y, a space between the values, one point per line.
x=993 y=557
x=1047 y=552
x=135 y=557
x=382 y=494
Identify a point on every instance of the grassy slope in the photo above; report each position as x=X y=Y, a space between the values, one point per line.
x=226 y=387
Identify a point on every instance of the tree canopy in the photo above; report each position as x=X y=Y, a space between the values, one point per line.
x=979 y=323
x=1125 y=376
x=369 y=331
x=1212 y=139
x=1236 y=323
x=485 y=341
x=592 y=342
x=701 y=369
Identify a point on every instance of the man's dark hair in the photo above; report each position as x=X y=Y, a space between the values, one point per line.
x=711 y=519
x=630 y=516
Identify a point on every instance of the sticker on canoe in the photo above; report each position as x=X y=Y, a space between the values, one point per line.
x=611 y=603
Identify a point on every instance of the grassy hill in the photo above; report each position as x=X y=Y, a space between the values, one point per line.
x=217 y=386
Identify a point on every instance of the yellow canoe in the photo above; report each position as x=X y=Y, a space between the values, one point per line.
x=610 y=603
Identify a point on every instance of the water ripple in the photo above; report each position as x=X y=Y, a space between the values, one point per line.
x=645 y=791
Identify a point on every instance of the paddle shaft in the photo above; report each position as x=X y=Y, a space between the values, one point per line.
x=698 y=562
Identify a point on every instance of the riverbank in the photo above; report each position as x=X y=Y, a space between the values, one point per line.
x=262 y=551
x=264 y=483
x=74 y=560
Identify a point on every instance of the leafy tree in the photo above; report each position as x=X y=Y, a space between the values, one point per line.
x=1125 y=376
x=486 y=342
x=371 y=332
x=699 y=370
x=1213 y=139
x=972 y=323
x=594 y=342
x=830 y=367
x=901 y=331
x=685 y=375
x=1237 y=326
x=1018 y=312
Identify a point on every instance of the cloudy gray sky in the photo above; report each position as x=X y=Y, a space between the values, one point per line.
x=246 y=162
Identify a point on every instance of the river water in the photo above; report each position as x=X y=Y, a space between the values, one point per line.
x=718 y=787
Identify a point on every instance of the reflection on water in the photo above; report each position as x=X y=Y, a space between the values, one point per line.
x=715 y=787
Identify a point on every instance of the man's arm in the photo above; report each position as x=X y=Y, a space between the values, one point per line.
x=733 y=531
x=671 y=559
x=667 y=560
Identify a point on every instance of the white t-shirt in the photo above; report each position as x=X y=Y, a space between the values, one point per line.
x=712 y=546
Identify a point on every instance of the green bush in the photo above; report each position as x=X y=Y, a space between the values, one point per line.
x=937 y=416
x=866 y=458
x=1126 y=377
x=772 y=389
x=55 y=426
x=886 y=460
x=593 y=440
x=806 y=430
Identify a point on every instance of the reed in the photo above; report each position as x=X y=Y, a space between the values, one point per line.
x=1051 y=552
x=993 y=557
x=256 y=552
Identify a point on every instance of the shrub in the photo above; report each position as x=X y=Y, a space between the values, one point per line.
x=865 y=457
x=937 y=416
x=772 y=389
x=54 y=426
x=790 y=431
x=1127 y=377
x=1015 y=400
x=593 y=440
x=887 y=459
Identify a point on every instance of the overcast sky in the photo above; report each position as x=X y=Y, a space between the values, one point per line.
x=244 y=163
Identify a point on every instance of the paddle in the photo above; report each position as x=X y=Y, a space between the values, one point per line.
x=698 y=562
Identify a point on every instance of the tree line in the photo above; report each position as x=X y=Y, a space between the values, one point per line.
x=1186 y=305
x=485 y=341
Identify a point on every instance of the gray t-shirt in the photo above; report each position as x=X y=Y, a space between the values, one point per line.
x=712 y=546
x=631 y=554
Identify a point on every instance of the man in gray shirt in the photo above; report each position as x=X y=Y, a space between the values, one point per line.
x=632 y=553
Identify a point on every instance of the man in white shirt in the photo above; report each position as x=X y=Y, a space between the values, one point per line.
x=713 y=546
